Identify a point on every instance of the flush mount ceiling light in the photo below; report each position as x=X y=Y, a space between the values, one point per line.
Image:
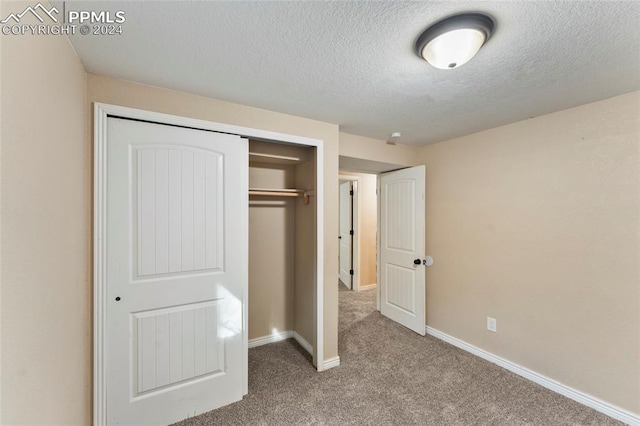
x=453 y=41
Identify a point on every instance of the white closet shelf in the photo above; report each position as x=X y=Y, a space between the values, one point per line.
x=270 y=192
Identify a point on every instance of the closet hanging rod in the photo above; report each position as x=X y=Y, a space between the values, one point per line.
x=282 y=193
x=274 y=157
x=276 y=194
x=291 y=191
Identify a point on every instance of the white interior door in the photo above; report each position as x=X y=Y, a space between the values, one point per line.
x=346 y=239
x=176 y=271
x=402 y=227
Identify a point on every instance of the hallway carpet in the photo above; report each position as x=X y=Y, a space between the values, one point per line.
x=390 y=376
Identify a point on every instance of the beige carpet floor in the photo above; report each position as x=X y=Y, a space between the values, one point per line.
x=390 y=376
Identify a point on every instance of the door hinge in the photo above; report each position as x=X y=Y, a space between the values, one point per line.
x=350 y=271
x=351 y=232
x=351 y=192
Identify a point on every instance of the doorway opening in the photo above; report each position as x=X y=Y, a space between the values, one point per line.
x=358 y=230
x=359 y=211
x=395 y=255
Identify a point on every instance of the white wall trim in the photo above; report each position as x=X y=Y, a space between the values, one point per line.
x=271 y=338
x=306 y=345
x=284 y=335
x=99 y=265
x=379 y=208
x=332 y=362
x=569 y=392
x=319 y=349
x=101 y=112
x=367 y=287
x=280 y=336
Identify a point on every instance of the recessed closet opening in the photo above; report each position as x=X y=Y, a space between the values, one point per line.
x=282 y=244
x=171 y=259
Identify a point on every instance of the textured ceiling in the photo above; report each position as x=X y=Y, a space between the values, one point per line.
x=352 y=63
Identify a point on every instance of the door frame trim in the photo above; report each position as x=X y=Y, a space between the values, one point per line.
x=355 y=223
x=378 y=249
x=101 y=112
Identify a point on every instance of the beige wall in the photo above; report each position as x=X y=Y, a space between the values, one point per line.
x=46 y=225
x=305 y=258
x=271 y=252
x=119 y=92
x=536 y=224
x=368 y=224
x=378 y=150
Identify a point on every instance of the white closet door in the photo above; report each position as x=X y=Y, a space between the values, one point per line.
x=402 y=224
x=176 y=271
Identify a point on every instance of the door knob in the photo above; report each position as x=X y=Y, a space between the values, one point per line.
x=417 y=262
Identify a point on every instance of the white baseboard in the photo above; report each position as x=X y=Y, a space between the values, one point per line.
x=581 y=397
x=306 y=345
x=272 y=338
x=283 y=335
x=367 y=287
x=331 y=362
x=277 y=337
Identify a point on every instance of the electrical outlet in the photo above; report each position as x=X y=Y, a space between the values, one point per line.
x=492 y=324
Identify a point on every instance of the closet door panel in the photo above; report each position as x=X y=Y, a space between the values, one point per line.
x=174 y=310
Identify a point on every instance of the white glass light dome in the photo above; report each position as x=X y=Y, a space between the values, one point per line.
x=452 y=49
x=452 y=42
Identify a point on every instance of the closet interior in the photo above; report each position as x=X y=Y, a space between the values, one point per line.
x=282 y=242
